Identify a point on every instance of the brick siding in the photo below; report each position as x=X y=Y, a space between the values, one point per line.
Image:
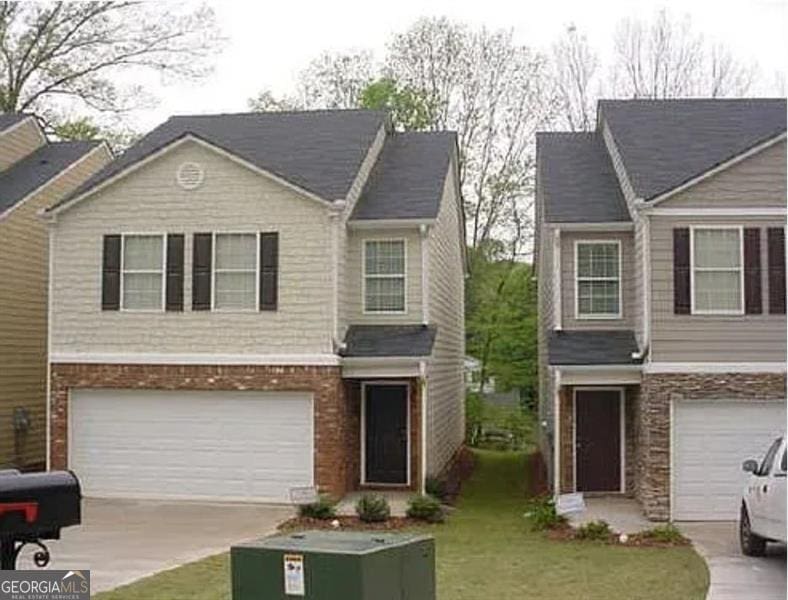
x=336 y=414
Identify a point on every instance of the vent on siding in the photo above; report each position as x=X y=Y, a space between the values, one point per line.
x=190 y=176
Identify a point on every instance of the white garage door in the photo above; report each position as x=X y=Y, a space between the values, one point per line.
x=209 y=445
x=710 y=442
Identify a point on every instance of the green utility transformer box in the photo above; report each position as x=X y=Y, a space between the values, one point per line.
x=335 y=565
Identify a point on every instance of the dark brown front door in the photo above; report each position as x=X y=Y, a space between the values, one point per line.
x=598 y=440
x=386 y=434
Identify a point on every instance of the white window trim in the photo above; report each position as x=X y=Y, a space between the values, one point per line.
x=373 y=383
x=599 y=316
x=713 y=227
x=163 y=272
x=404 y=277
x=256 y=278
x=622 y=429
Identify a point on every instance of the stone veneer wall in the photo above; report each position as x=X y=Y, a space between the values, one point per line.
x=657 y=392
x=325 y=383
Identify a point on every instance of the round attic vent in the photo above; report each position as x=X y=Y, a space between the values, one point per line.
x=190 y=175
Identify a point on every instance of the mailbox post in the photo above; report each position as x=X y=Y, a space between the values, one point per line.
x=35 y=507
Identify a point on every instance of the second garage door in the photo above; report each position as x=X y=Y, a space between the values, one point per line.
x=202 y=445
x=711 y=439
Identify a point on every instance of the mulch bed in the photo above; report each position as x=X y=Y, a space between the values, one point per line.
x=643 y=539
x=347 y=523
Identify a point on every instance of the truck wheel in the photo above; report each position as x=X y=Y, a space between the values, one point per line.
x=751 y=544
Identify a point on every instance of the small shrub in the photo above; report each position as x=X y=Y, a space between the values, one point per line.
x=541 y=514
x=425 y=508
x=373 y=508
x=323 y=509
x=666 y=534
x=595 y=530
x=435 y=487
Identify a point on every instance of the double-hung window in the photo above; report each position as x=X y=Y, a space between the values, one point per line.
x=143 y=272
x=598 y=279
x=717 y=270
x=384 y=276
x=235 y=271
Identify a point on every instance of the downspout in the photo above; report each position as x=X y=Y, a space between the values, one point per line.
x=557 y=433
x=423 y=422
x=335 y=222
x=50 y=219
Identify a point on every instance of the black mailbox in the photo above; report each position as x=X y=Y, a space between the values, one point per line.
x=34 y=507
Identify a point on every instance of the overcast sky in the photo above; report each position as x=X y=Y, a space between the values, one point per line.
x=269 y=42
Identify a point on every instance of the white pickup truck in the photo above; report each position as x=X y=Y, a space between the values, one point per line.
x=762 y=517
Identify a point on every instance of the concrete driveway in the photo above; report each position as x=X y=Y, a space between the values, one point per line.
x=123 y=540
x=733 y=575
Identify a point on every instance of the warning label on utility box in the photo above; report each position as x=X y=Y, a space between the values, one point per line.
x=294 y=574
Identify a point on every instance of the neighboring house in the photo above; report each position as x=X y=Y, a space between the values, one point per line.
x=473 y=375
x=34 y=174
x=662 y=338
x=244 y=304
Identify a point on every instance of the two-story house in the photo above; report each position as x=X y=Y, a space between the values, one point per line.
x=34 y=174
x=244 y=304
x=661 y=261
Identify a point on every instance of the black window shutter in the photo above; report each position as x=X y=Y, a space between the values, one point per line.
x=776 y=240
x=175 y=271
x=269 y=270
x=753 y=301
x=681 y=271
x=202 y=251
x=110 y=273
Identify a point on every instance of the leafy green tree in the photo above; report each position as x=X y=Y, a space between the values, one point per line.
x=410 y=110
x=501 y=320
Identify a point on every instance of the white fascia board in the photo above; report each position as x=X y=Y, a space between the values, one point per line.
x=176 y=144
x=143 y=358
x=719 y=168
x=711 y=367
x=362 y=367
x=739 y=212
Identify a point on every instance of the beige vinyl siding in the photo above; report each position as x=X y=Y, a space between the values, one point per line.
x=709 y=338
x=445 y=381
x=757 y=181
x=18 y=141
x=232 y=198
x=627 y=283
x=23 y=312
x=355 y=276
x=343 y=286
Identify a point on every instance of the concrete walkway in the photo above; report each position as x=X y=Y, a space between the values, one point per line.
x=120 y=541
x=624 y=515
x=733 y=575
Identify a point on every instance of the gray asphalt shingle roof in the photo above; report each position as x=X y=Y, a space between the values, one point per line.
x=577 y=180
x=614 y=347
x=9 y=119
x=320 y=151
x=37 y=168
x=665 y=143
x=389 y=340
x=407 y=180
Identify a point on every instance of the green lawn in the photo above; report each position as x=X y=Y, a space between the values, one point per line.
x=486 y=551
